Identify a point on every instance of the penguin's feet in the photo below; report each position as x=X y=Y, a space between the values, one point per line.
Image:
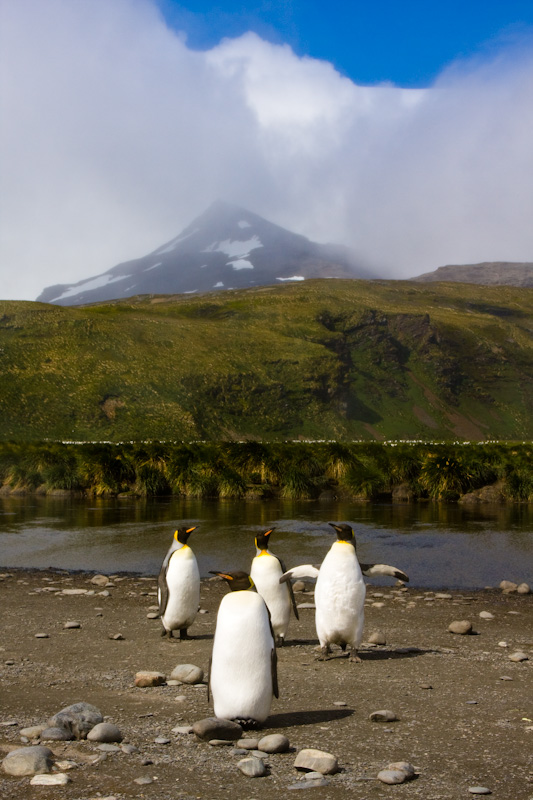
x=354 y=658
x=184 y=634
x=324 y=653
x=248 y=723
x=280 y=641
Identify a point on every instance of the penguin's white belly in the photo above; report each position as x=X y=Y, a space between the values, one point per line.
x=340 y=597
x=265 y=573
x=241 y=668
x=183 y=581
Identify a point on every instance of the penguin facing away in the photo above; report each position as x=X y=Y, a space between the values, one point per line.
x=243 y=666
x=340 y=592
x=179 y=586
x=266 y=570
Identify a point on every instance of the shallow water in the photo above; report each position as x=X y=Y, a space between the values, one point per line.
x=438 y=545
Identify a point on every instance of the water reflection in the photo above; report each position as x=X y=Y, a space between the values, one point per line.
x=438 y=545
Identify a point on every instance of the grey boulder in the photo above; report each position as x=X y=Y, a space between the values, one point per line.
x=77 y=719
x=215 y=728
x=28 y=761
x=316 y=761
x=105 y=732
x=187 y=673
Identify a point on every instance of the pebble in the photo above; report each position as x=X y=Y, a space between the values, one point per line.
x=144 y=780
x=74 y=591
x=59 y=779
x=187 y=673
x=100 y=580
x=214 y=728
x=505 y=678
x=426 y=686
x=42 y=635
x=523 y=588
x=306 y=605
x=298 y=586
x=146 y=678
x=479 y=790
x=220 y=742
x=316 y=761
x=519 y=656
x=378 y=605
x=180 y=698
x=161 y=740
x=28 y=761
x=339 y=703
x=248 y=744
x=104 y=593
x=252 y=767
x=72 y=624
x=105 y=732
x=503 y=644
x=273 y=743
x=392 y=776
x=182 y=729
x=152 y=615
x=377 y=637
x=109 y=748
x=460 y=626
x=486 y=615
x=443 y=596
x=310 y=784
x=508 y=586
x=33 y=731
x=383 y=715
x=405 y=766
x=117 y=637
x=129 y=749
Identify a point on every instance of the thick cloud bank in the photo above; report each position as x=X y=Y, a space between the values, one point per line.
x=114 y=135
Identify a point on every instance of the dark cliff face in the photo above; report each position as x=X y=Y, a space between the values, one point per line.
x=225 y=248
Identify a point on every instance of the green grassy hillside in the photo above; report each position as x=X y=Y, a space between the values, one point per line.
x=321 y=360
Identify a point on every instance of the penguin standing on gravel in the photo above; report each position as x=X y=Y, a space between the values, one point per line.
x=266 y=570
x=340 y=592
x=243 y=667
x=179 y=586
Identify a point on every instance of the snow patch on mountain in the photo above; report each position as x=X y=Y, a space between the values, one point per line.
x=293 y=278
x=94 y=283
x=153 y=266
x=241 y=263
x=233 y=248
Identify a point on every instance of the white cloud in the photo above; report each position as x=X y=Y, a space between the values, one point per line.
x=115 y=136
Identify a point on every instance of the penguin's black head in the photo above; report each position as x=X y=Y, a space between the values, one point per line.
x=343 y=531
x=261 y=541
x=182 y=534
x=237 y=581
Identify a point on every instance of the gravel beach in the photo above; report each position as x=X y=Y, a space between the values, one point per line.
x=461 y=708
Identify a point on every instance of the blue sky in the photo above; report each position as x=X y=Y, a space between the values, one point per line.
x=406 y=42
x=399 y=129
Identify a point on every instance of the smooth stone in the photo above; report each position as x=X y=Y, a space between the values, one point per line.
x=377 y=637
x=443 y=596
x=74 y=591
x=519 y=656
x=274 y=743
x=249 y=744
x=392 y=776
x=239 y=751
x=215 y=728
x=59 y=779
x=503 y=644
x=220 y=742
x=42 y=635
x=405 y=766
x=252 y=767
x=306 y=605
x=505 y=678
x=486 y=615
x=182 y=729
x=78 y=718
x=340 y=703
x=33 y=731
x=28 y=761
x=105 y=732
x=313 y=760
x=384 y=715
x=523 y=588
x=187 y=673
x=118 y=637
x=55 y=734
x=109 y=748
x=426 y=686
x=100 y=580
x=508 y=586
x=258 y=753
x=144 y=780
x=152 y=615
x=129 y=749
x=298 y=586
x=72 y=624
x=479 y=790
x=460 y=626
x=162 y=740
x=310 y=784
x=144 y=679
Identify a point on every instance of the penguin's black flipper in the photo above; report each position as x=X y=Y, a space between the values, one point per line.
x=274 y=666
x=209 y=679
x=383 y=569
x=291 y=591
x=163 y=589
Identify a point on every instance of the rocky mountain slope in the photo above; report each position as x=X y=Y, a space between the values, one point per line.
x=225 y=248
x=505 y=273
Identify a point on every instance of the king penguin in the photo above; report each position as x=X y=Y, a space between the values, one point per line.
x=340 y=592
x=179 y=586
x=243 y=668
x=266 y=570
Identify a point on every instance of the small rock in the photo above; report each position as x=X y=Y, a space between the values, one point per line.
x=144 y=780
x=220 y=742
x=523 y=588
x=518 y=656
x=426 y=686
x=161 y=740
x=152 y=615
x=104 y=593
x=105 y=732
x=443 y=596
x=486 y=615
x=182 y=729
x=28 y=761
x=109 y=748
x=306 y=605
x=377 y=637
x=42 y=635
x=378 y=605
x=274 y=743
x=55 y=734
x=180 y=698
x=33 y=731
x=144 y=679
x=117 y=637
x=72 y=624
x=508 y=586
x=252 y=767
x=339 y=703
x=187 y=673
x=460 y=626
x=392 y=776
x=214 y=728
x=78 y=719
x=248 y=744
x=405 y=766
x=316 y=761
x=503 y=644
x=479 y=790
x=129 y=749
x=59 y=779
x=505 y=678
x=73 y=591
x=310 y=784
x=383 y=715
x=298 y=586
x=100 y=580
